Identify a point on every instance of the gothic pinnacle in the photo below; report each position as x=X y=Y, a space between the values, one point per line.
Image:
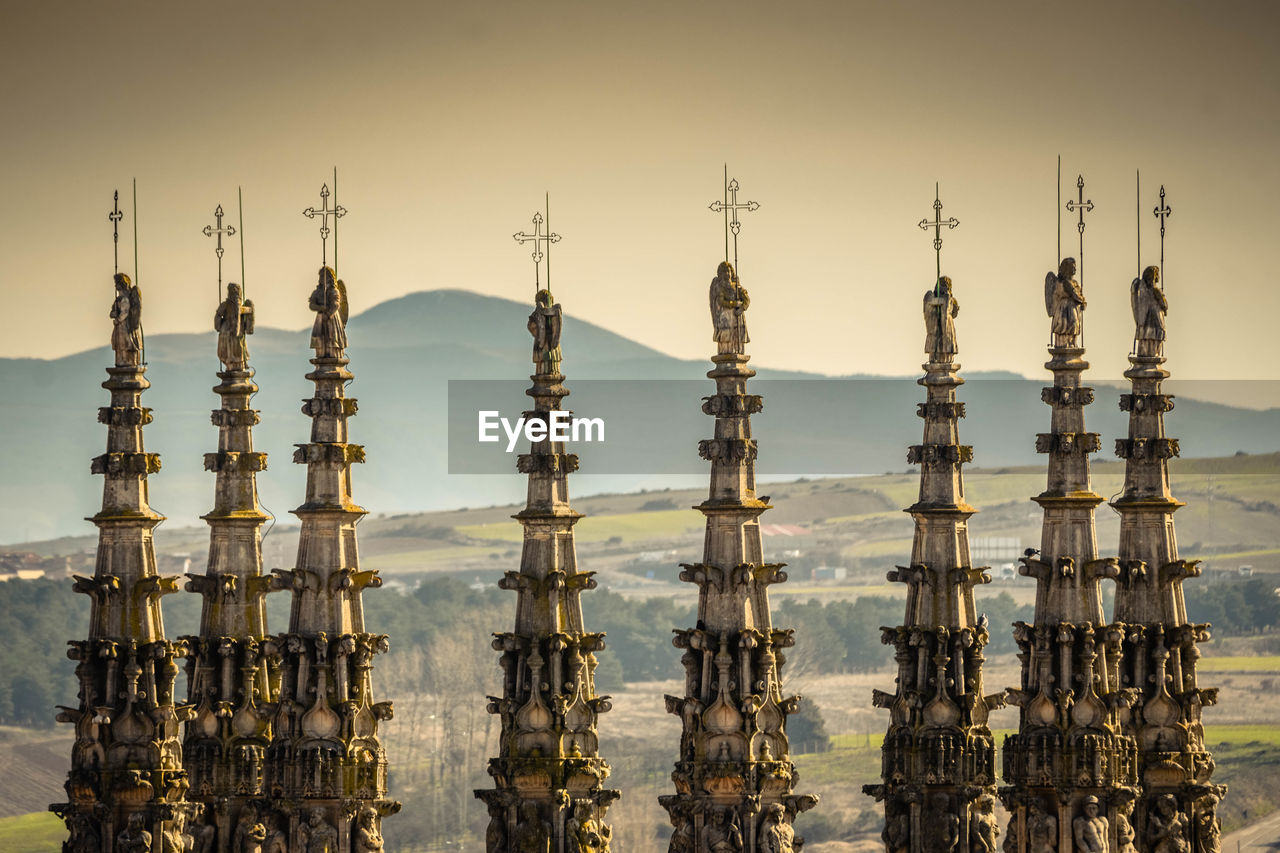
x=1160 y=651
x=127 y=785
x=734 y=777
x=233 y=667
x=548 y=775
x=326 y=767
x=939 y=755
x=1069 y=770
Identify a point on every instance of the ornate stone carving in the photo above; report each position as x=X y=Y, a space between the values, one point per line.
x=1124 y=827
x=329 y=302
x=317 y=835
x=549 y=793
x=1158 y=664
x=939 y=753
x=941 y=826
x=983 y=829
x=547 y=463
x=1060 y=395
x=722 y=833
x=741 y=450
x=233 y=321
x=1144 y=447
x=940 y=410
x=1167 y=827
x=727 y=405
x=230 y=668
x=940 y=311
x=584 y=834
x=733 y=758
x=127 y=782
x=1042 y=829
x=325 y=762
x=939 y=454
x=125 y=465
x=134 y=838
x=1149 y=306
x=1069 y=750
x=1065 y=303
x=126 y=319
x=545 y=324
x=1090 y=829
x=776 y=834
x=1162 y=403
x=1068 y=442
x=729 y=304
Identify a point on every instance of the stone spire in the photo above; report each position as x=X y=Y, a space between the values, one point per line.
x=1069 y=771
x=939 y=755
x=734 y=778
x=326 y=769
x=127 y=788
x=548 y=775
x=1160 y=654
x=233 y=669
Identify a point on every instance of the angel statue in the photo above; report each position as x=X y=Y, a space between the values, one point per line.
x=329 y=301
x=544 y=325
x=232 y=321
x=1149 y=307
x=729 y=304
x=126 y=314
x=1065 y=303
x=940 y=310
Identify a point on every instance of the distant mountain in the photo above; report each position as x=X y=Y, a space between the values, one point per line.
x=404 y=352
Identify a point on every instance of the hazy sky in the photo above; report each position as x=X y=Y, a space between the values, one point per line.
x=447 y=124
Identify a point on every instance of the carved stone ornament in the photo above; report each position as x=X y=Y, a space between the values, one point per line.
x=1065 y=304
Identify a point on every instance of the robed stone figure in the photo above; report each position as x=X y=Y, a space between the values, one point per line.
x=1147 y=299
x=232 y=321
x=329 y=301
x=940 y=310
x=544 y=324
x=126 y=316
x=729 y=304
x=1064 y=300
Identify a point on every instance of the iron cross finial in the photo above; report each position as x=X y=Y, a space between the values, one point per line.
x=538 y=238
x=1162 y=213
x=730 y=207
x=324 y=213
x=115 y=216
x=1080 y=205
x=936 y=224
x=218 y=231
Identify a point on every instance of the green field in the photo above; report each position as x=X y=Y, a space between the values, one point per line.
x=39 y=832
x=1260 y=663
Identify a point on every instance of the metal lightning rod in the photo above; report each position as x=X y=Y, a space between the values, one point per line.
x=726 y=214
x=244 y=288
x=337 y=216
x=137 y=280
x=1138 y=213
